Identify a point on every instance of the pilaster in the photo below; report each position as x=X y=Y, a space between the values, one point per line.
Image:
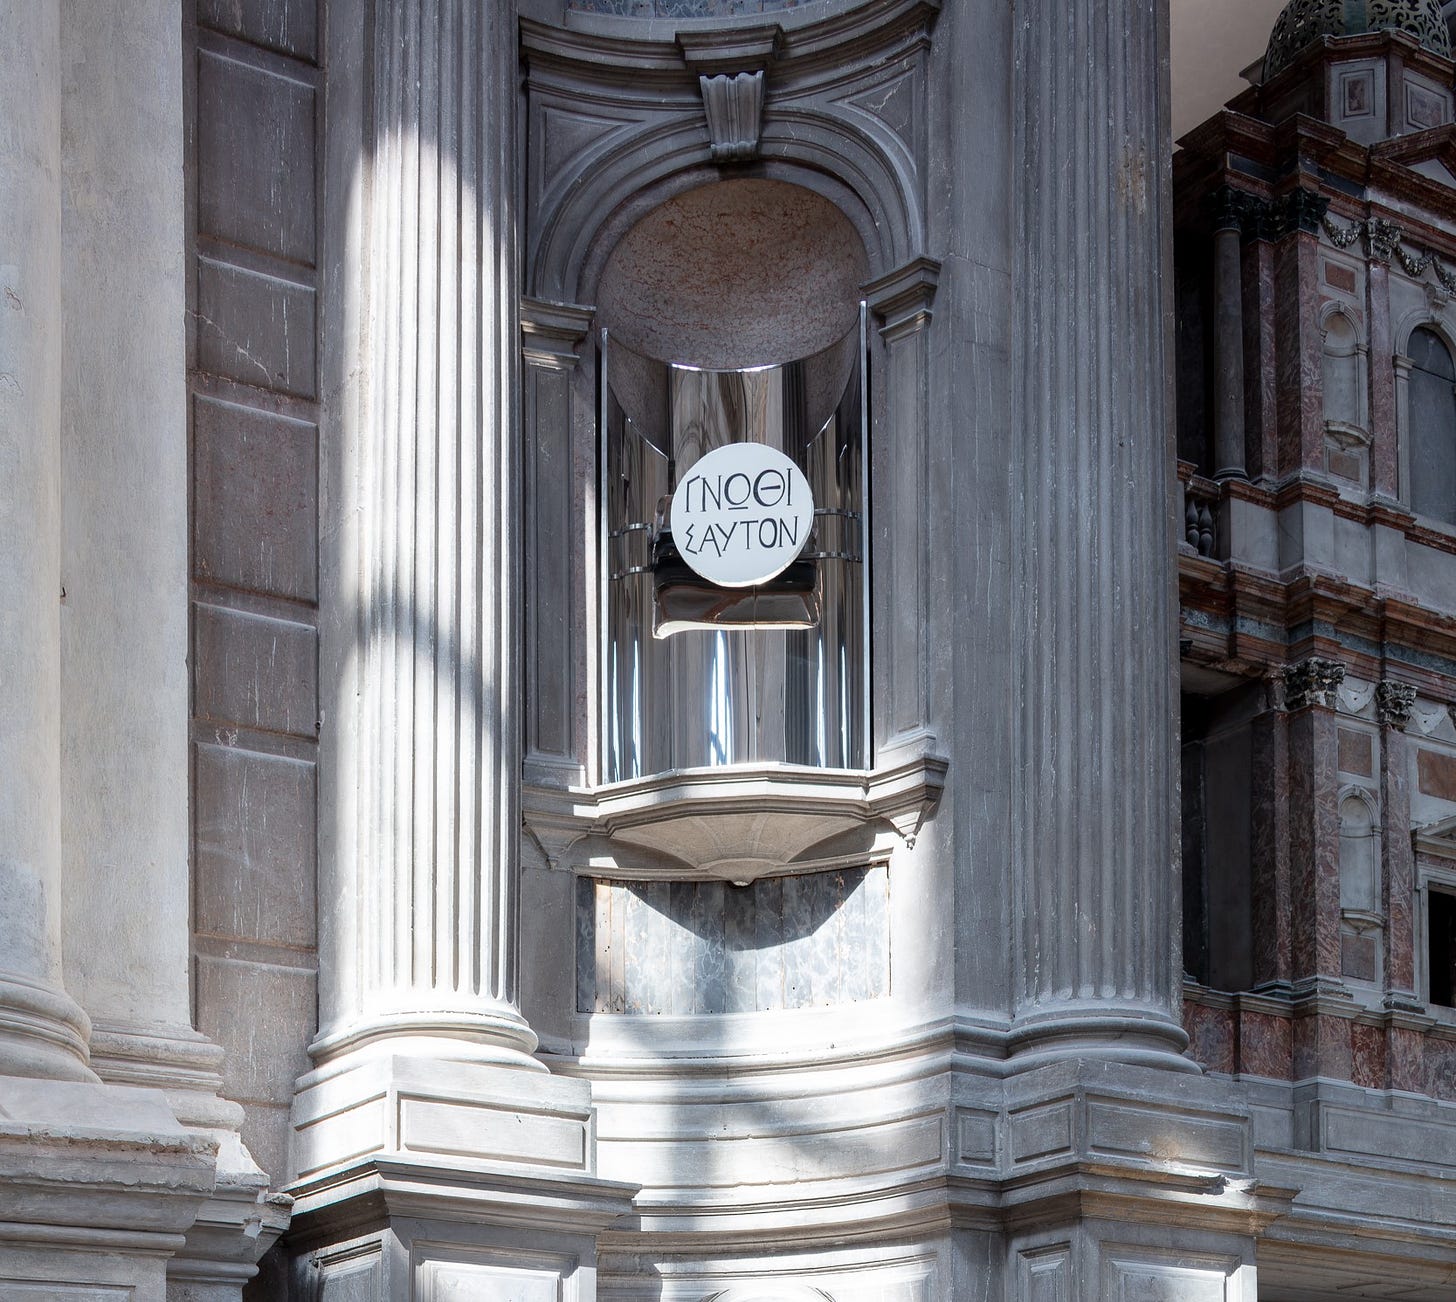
x=1299 y=348
x=1321 y=1040
x=1270 y=815
x=1228 y=340
x=1095 y=905
x=556 y=731
x=1394 y=704
x=902 y=303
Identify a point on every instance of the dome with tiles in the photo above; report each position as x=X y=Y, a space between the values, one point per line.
x=1303 y=22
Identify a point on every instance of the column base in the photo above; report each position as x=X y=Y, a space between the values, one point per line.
x=99 y=1184
x=43 y=1032
x=1143 y=1038
x=432 y=1177
x=373 y=1103
x=241 y=1219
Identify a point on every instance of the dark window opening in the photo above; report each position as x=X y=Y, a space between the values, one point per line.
x=1441 y=947
x=1432 y=427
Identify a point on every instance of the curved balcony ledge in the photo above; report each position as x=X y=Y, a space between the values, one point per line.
x=736 y=824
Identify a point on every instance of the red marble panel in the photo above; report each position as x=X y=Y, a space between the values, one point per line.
x=1266 y=1046
x=1261 y=369
x=1398 y=875
x=1269 y=848
x=1439 y=1077
x=1406 y=1060
x=1367 y=1056
x=1437 y=774
x=1322 y=1047
x=1355 y=753
x=1211 y=1036
x=1384 y=450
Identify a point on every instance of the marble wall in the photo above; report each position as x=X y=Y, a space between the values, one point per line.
x=707 y=947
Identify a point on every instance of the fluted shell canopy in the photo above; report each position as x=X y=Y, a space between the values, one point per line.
x=1303 y=22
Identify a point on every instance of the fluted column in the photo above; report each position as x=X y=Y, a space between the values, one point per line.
x=423 y=950
x=1095 y=864
x=42 y=1031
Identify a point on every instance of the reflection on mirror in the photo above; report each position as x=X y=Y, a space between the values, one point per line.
x=698 y=675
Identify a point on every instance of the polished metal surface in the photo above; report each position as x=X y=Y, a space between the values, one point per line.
x=679 y=691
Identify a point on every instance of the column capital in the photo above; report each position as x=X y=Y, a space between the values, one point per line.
x=902 y=299
x=1394 y=703
x=1315 y=681
x=552 y=333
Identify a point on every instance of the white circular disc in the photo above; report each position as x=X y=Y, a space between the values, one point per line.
x=742 y=514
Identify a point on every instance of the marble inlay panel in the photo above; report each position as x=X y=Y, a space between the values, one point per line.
x=708 y=947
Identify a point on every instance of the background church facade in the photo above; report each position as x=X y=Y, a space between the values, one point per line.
x=416 y=881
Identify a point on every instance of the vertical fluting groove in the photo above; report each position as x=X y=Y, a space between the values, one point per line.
x=391 y=304
x=508 y=626
x=472 y=739
x=1095 y=887
x=437 y=712
x=444 y=963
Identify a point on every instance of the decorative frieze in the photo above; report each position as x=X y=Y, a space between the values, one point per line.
x=1384 y=241
x=1315 y=681
x=1394 y=703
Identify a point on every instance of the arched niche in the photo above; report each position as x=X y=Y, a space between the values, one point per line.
x=626 y=212
x=731 y=315
x=1359 y=853
x=1347 y=438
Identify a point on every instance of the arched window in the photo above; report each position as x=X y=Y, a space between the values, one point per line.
x=1432 y=425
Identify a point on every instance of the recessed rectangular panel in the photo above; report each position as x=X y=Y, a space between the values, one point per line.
x=458 y=1281
x=489 y=1133
x=255 y=158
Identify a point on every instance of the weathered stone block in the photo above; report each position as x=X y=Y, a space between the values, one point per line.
x=255 y=518
x=255 y=156
x=264 y=1016
x=255 y=671
x=255 y=848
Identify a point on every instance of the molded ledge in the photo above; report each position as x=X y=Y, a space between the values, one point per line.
x=736 y=824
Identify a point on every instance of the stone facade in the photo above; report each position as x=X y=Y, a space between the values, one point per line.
x=342 y=958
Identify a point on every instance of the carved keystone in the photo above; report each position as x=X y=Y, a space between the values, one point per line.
x=735 y=114
x=732 y=68
x=1313 y=682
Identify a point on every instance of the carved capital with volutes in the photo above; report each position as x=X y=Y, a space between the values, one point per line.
x=1315 y=681
x=1394 y=703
